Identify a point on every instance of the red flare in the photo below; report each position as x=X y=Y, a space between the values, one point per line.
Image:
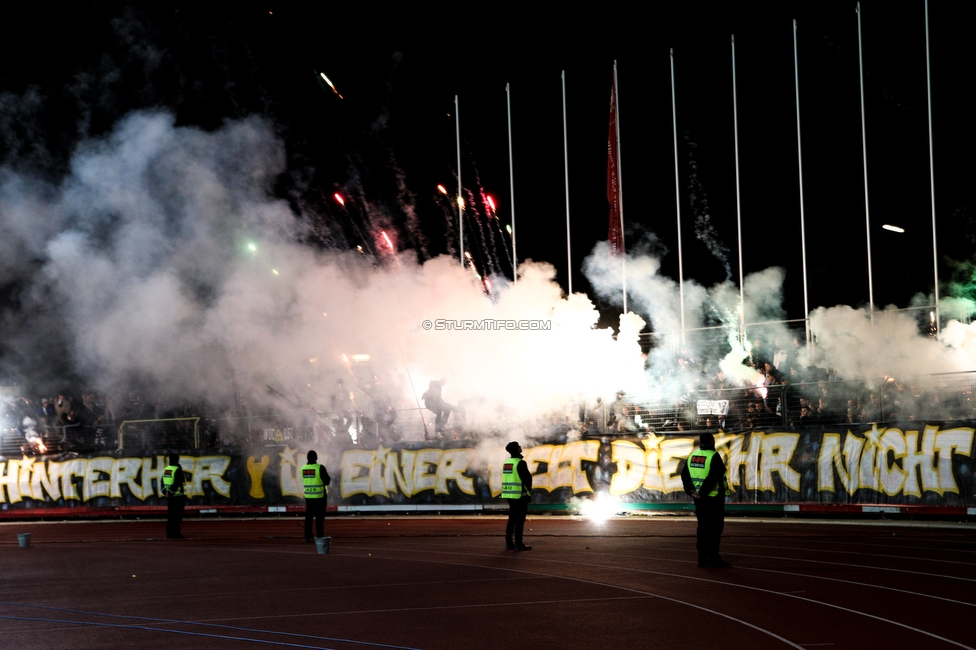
x=338 y=197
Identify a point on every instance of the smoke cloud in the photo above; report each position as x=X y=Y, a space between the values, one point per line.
x=162 y=261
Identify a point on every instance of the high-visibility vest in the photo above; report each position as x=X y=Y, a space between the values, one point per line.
x=169 y=478
x=314 y=485
x=511 y=482
x=699 y=463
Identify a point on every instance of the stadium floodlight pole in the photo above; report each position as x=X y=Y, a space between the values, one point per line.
x=677 y=201
x=799 y=159
x=511 y=182
x=569 y=250
x=738 y=202
x=620 y=184
x=864 y=148
x=928 y=84
x=460 y=194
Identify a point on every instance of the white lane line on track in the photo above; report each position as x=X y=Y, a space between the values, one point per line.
x=791 y=573
x=802 y=575
x=162 y=621
x=839 y=552
x=708 y=580
x=861 y=584
x=842 y=564
x=844 y=541
x=393 y=610
x=547 y=575
x=145 y=628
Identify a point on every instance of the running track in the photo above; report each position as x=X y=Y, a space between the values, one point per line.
x=413 y=582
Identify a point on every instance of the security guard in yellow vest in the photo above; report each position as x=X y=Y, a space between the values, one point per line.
x=517 y=490
x=315 y=479
x=703 y=478
x=174 y=488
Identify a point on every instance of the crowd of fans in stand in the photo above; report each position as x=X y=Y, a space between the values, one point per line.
x=89 y=422
x=784 y=394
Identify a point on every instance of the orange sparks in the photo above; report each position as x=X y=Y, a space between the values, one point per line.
x=442 y=189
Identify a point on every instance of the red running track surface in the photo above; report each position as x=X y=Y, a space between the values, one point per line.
x=446 y=582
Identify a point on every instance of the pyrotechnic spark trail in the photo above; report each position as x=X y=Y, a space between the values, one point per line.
x=339 y=199
x=331 y=85
x=493 y=213
x=447 y=206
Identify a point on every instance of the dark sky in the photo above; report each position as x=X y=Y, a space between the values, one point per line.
x=73 y=70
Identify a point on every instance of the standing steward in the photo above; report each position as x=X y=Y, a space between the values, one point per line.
x=174 y=488
x=703 y=477
x=517 y=489
x=315 y=478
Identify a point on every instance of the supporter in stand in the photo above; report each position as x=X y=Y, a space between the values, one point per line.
x=434 y=401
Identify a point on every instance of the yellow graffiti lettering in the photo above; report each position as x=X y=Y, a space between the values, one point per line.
x=748 y=459
x=892 y=461
x=125 y=471
x=399 y=476
x=288 y=474
x=552 y=466
x=10 y=480
x=654 y=469
x=377 y=473
x=209 y=469
x=256 y=472
x=891 y=476
x=673 y=451
x=151 y=476
x=425 y=470
x=632 y=466
x=777 y=450
x=845 y=460
x=535 y=458
x=189 y=465
x=74 y=468
x=452 y=465
x=46 y=480
x=356 y=464
x=26 y=469
x=959 y=441
x=98 y=475
x=566 y=465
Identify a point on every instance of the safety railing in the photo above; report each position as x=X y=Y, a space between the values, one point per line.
x=153 y=424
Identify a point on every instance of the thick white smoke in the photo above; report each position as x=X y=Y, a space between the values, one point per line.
x=846 y=340
x=162 y=259
x=170 y=265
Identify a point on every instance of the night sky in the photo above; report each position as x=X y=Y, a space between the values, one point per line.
x=73 y=70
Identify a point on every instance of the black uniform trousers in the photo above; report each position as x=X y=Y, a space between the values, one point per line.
x=174 y=515
x=314 y=508
x=517 y=510
x=710 y=512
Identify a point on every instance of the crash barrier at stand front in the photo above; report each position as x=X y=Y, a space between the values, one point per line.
x=152 y=430
x=913 y=467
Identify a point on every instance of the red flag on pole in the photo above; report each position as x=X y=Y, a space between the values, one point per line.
x=614 y=235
